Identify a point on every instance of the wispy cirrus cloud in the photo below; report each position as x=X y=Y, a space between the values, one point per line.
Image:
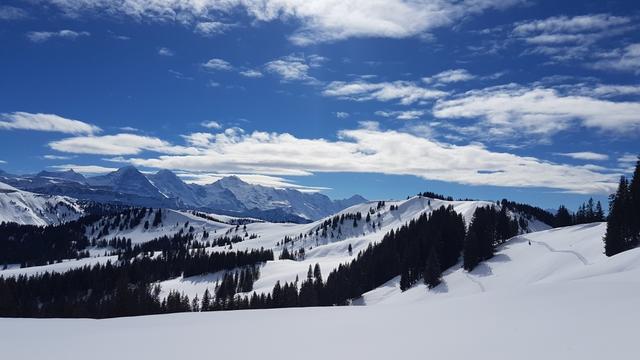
x=8 y=13
x=449 y=76
x=118 y=144
x=45 y=122
x=564 y=38
x=405 y=92
x=42 y=36
x=626 y=59
x=211 y=28
x=402 y=115
x=514 y=111
x=586 y=155
x=319 y=21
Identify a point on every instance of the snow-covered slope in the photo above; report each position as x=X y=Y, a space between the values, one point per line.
x=552 y=256
x=27 y=208
x=329 y=249
x=558 y=298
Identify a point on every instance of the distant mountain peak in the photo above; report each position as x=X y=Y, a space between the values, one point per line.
x=127 y=169
x=69 y=174
x=232 y=180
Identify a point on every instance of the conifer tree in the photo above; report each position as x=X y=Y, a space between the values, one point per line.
x=617 y=228
x=432 y=270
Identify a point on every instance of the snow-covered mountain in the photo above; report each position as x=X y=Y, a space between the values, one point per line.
x=229 y=195
x=310 y=206
x=68 y=175
x=127 y=180
x=23 y=207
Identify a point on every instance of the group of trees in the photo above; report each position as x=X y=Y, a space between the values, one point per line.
x=404 y=252
x=433 y=195
x=588 y=212
x=489 y=228
x=623 y=222
x=116 y=289
x=31 y=245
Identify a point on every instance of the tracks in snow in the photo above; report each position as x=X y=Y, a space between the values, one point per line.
x=574 y=253
x=475 y=281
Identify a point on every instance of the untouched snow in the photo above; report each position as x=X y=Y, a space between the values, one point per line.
x=27 y=208
x=562 y=254
x=573 y=320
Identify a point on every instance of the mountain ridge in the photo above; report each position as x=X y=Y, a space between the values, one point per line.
x=228 y=195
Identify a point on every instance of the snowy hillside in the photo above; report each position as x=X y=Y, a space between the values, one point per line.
x=329 y=249
x=552 y=256
x=27 y=208
x=543 y=300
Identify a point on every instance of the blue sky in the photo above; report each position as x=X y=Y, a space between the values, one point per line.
x=536 y=101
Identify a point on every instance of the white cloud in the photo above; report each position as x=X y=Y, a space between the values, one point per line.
x=450 y=76
x=514 y=110
x=179 y=75
x=342 y=115
x=320 y=21
x=570 y=25
x=295 y=67
x=163 y=51
x=45 y=122
x=606 y=91
x=627 y=59
x=42 y=36
x=84 y=169
x=628 y=158
x=570 y=38
x=251 y=73
x=370 y=149
x=256 y=179
x=210 y=28
x=215 y=64
x=586 y=155
x=57 y=157
x=402 y=115
x=2 y=162
x=12 y=13
x=406 y=92
x=211 y=124
x=119 y=144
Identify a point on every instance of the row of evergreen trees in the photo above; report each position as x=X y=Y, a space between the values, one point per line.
x=623 y=222
x=588 y=212
x=121 y=289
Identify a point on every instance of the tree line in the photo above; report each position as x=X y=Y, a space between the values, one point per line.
x=123 y=288
x=623 y=222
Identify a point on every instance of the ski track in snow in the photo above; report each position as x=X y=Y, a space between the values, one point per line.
x=574 y=253
x=476 y=281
